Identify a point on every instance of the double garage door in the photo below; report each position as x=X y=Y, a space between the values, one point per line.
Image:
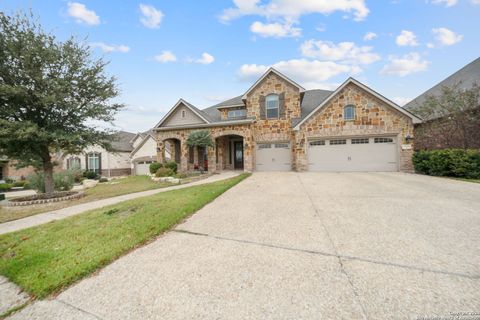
x=353 y=154
x=273 y=156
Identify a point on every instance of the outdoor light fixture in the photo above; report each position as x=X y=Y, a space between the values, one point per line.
x=408 y=139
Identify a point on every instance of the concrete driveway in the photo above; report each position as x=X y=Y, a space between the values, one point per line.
x=300 y=246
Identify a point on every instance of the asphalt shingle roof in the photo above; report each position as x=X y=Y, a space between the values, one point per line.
x=122 y=141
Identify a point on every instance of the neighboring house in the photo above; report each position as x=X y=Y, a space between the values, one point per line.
x=144 y=152
x=8 y=169
x=436 y=133
x=277 y=125
x=106 y=163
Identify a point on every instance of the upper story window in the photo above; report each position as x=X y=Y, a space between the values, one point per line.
x=349 y=112
x=184 y=114
x=235 y=114
x=271 y=106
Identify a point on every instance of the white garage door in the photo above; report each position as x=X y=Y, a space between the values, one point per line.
x=273 y=156
x=142 y=167
x=353 y=154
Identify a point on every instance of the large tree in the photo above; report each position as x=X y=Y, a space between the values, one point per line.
x=51 y=94
x=452 y=118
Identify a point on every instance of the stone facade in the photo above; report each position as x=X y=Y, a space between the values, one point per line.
x=373 y=117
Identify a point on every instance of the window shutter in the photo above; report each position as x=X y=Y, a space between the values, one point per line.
x=281 y=105
x=86 y=162
x=99 y=163
x=261 y=102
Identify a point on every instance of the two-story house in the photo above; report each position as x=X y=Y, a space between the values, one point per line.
x=277 y=125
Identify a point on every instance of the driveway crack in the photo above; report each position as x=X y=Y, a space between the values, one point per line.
x=79 y=309
x=337 y=255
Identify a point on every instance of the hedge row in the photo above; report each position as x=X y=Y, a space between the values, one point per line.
x=448 y=162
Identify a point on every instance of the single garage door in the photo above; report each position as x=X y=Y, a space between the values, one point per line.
x=353 y=154
x=142 y=167
x=273 y=156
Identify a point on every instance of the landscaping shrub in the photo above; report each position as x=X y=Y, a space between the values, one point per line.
x=77 y=175
x=449 y=162
x=181 y=175
x=5 y=187
x=91 y=175
x=20 y=183
x=63 y=181
x=154 y=166
x=164 y=172
x=171 y=165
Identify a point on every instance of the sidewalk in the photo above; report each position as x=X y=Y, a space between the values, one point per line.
x=46 y=217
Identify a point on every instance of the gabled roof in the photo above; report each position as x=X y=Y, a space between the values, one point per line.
x=233 y=102
x=194 y=109
x=122 y=141
x=392 y=104
x=464 y=77
x=145 y=138
x=281 y=75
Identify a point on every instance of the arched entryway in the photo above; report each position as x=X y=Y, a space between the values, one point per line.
x=230 y=152
x=172 y=150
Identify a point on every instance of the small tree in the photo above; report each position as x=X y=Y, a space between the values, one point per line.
x=49 y=93
x=200 y=139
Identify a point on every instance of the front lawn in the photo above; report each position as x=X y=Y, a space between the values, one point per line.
x=44 y=259
x=116 y=187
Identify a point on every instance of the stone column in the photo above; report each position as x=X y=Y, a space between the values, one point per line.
x=248 y=149
x=183 y=156
x=160 y=151
x=212 y=165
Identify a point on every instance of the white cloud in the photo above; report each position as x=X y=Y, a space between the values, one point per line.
x=406 y=38
x=276 y=30
x=151 y=17
x=292 y=9
x=206 y=58
x=370 y=36
x=311 y=74
x=447 y=3
x=107 y=48
x=446 y=37
x=165 y=56
x=475 y=2
x=405 y=65
x=347 y=52
x=401 y=101
x=81 y=14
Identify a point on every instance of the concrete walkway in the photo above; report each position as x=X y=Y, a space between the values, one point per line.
x=42 y=218
x=300 y=246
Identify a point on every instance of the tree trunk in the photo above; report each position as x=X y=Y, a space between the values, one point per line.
x=48 y=172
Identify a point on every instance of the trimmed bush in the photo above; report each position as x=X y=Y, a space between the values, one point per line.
x=5 y=187
x=154 y=166
x=448 y=162
x=62 y=181
x=181 y=175
x=164 y=172
x=91 y=175
x=20 y=183
x=171 y=165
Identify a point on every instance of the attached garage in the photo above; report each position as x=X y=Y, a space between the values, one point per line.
x=142 y=167
x=353 y=154
x=273 y=156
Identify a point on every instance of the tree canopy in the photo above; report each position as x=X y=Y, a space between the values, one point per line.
x=51 y=94
x=200 y=138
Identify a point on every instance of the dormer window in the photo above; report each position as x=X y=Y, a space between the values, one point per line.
x=271 y=106
x=349 y=112
x=184 y=114
x=236 y=114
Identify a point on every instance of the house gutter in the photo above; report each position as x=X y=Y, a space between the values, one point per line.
x=206 y=125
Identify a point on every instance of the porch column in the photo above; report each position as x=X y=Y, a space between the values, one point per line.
x=183 y=156
x=160 y=151
x=248 y=149
x=212 y=161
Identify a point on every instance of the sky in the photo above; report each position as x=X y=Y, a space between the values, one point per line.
x=206 y=51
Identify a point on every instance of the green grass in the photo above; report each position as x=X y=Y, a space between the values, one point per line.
x=467 y=180
x=42 y=260
x=114 y=188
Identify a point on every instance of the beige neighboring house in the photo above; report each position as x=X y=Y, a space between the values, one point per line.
x=106 y=163
x=144 y=152
x=277 y=125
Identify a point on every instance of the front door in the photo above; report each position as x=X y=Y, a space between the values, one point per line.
x=238 y=154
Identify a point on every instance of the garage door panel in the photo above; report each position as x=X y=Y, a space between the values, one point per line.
x=273 y=156
x=358 y=154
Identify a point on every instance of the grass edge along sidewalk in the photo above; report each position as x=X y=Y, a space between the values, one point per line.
x=46 y=259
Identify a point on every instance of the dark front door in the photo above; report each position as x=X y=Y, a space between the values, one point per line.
x=238 y=154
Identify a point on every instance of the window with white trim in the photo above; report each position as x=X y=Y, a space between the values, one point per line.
x=349 y=112
x=73 y=163
x=235 y=114
x=272 y=104
x=338 y=141
x=93 y=161
x=360 y=141
x=317 y=143
x=383 y=140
